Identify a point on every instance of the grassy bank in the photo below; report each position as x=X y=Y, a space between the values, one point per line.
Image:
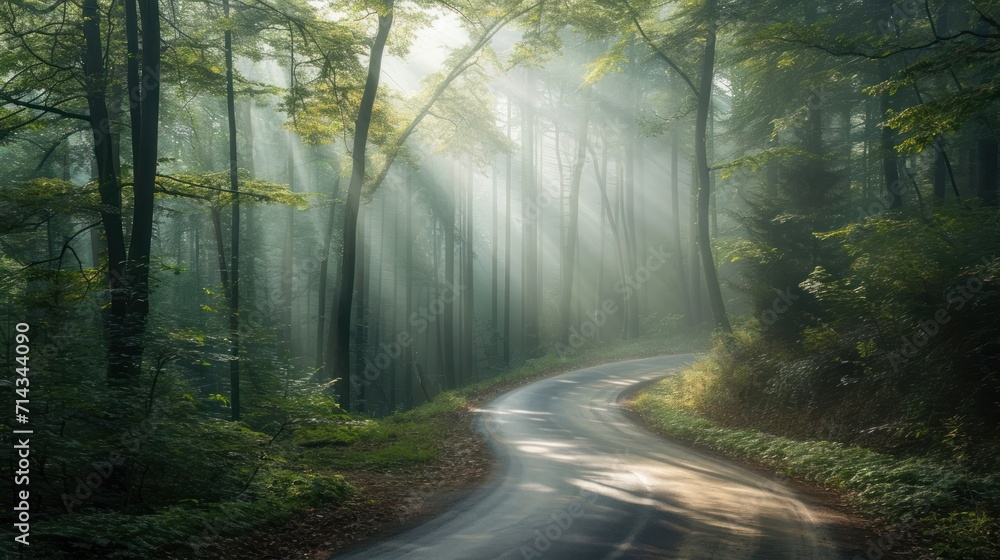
x=939 y=507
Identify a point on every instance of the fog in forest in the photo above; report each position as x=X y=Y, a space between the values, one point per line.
x=273 y=242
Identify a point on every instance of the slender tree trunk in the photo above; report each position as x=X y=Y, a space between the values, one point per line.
x=450 y=374
x=249 y=245
x=324 y=267
x=361 y=322
x=890 y=165
x=494 y=271
x=338 y=360
x=408 y=230
x=569 y=251
x=694 y=263
x=602 y=183
x=704 y=182
x=675 y=226
x=220 y=251
x=234 y=246
x=629 y=222
x=468 y=299
x=507 y=246
x=529 y=220
x=987 y=172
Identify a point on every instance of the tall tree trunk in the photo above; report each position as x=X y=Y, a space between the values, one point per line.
x=249 y=245
x=987 y=172
x=220 y=250
x=602 y=183
x=324 y=276
x=468 y=299
x=128 y=268
x=361 y=322
x=448 y=223
x=704 y=182
x=569 y=251
x=234 y=246
x=694 y=256
x=408 y=230
x=495 y=261
x=890 y=165
x=628 y=225
x=675 y=226
x=132 y=76
x=507 y=247
x=529 y=220
x=340 y=337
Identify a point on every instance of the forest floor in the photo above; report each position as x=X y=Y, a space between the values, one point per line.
x=386 y=501
x=392 y=495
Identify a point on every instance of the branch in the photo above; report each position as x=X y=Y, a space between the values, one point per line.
x=656 y=49
x=462 y=65
x=55 y=111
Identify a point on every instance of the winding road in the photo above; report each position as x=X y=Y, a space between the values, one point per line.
x=580 y=481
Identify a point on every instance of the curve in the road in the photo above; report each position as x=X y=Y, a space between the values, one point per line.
x=580 y=481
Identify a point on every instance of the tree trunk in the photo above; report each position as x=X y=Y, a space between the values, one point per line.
x=676 y=227
x=128 y=268
x=338 y=360
x=704 y=183
x=408 y=229
x=324 y=267
x=530 y=210
x=468 y=299
x=506 y=255
x=234 y=246
x=569 y=251
x=495 y=261
x=890 y=165
x=450 y=376
x=629 y=227
x=987 y=172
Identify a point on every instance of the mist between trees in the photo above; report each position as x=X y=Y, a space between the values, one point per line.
x=255 y=213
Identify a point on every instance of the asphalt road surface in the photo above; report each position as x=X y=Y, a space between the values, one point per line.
x=581 y=481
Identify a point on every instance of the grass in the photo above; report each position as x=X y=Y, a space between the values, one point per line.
x=954 y=511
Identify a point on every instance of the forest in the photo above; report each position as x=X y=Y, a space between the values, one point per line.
x=263 y=263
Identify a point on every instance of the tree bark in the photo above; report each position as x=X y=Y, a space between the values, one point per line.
x=507 y=260
x=468 y=299
x=704 y=183
x=529 y=220
x=676 y=226
x=324 y=267
x=234 y=245
x=340 y=337
x=569 y=251
x=890 y=165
